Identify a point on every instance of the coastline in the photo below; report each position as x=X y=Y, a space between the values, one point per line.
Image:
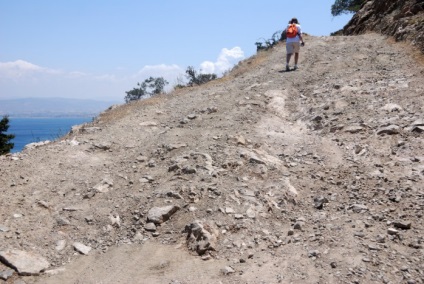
x=36 y=129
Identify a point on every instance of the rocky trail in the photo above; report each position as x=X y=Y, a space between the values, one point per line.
x=263 y=176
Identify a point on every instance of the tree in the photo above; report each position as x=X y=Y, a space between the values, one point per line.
x=346 y=6
x=194 y=78
x=5 y=145
x=150 y=87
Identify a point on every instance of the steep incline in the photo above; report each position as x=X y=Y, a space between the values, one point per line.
x=402 y=19
x=264 y=176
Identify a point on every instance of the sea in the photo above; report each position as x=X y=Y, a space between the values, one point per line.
x=29 y=130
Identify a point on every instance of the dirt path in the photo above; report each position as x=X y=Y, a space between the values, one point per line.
x=313 y=176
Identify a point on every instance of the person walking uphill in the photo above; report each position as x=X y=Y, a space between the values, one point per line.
x=293 y=41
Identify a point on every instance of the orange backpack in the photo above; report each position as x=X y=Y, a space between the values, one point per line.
x=292 y=31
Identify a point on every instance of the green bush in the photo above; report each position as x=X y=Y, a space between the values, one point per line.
x=150 y=87
x=195 y=78
x=5 y=144
x=346 y=6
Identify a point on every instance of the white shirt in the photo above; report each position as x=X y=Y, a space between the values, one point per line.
x=296 y=38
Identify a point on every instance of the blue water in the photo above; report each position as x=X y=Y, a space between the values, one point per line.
x=29 y=130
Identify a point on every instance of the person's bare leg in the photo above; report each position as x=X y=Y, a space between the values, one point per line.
x=288 y=61
x=296 y=59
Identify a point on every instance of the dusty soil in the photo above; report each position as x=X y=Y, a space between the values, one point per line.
x=311 y=176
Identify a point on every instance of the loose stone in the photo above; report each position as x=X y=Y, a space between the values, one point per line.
x=81 y=248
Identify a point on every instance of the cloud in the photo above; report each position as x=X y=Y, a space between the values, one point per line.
x=20 y=68
x=22 y=79
x=161 y=70
x=226 y=60
x=171 y=73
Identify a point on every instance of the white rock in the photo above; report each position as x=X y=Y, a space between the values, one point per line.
x=148 y=123
x=26 y=263
x=227 y=270
x=55 y=271
x=392 y=107
x=81 y=248
x=36 y=145
x=6 y=274
x=418 y=122
x=115 y=220
x=354 y=129
x=238 y=216
x=60 y=245
x=359 y=208
x=250 y=213
x=158 y=215
x=3 y=228
x=150 y=227
x=229 y=210
x=104 y=185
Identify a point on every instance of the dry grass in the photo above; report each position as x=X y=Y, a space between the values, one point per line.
x=123 y=110
x=248 y=64
x=414 y=51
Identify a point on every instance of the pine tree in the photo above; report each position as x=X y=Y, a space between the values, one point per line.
x=346 y=6
x=150 y=87
x=5 y=144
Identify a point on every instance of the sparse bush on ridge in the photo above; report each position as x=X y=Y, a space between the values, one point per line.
x=196 y=78
x=180 y=83
x=155 y=86
x=265 y=44
x=150 y=87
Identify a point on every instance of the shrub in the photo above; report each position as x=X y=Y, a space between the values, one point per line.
x=265 y=44
x=150 y=87
x=346 y=6
x=195 y=78
x=5 y=144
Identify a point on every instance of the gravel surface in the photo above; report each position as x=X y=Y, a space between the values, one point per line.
x=263 y=176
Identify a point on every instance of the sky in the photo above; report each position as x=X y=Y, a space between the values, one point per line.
x=99 y=49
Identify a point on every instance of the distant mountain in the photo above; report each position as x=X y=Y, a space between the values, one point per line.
x=52 y=107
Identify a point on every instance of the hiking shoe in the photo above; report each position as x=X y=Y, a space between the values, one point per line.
x=287 y=68
x=295 y=67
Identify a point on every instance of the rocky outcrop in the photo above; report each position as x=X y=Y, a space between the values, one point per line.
x=402 y=19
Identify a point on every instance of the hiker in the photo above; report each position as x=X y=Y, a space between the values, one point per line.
x=293 y=42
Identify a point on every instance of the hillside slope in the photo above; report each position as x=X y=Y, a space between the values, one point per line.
x=402 y=19
x=264 y=176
